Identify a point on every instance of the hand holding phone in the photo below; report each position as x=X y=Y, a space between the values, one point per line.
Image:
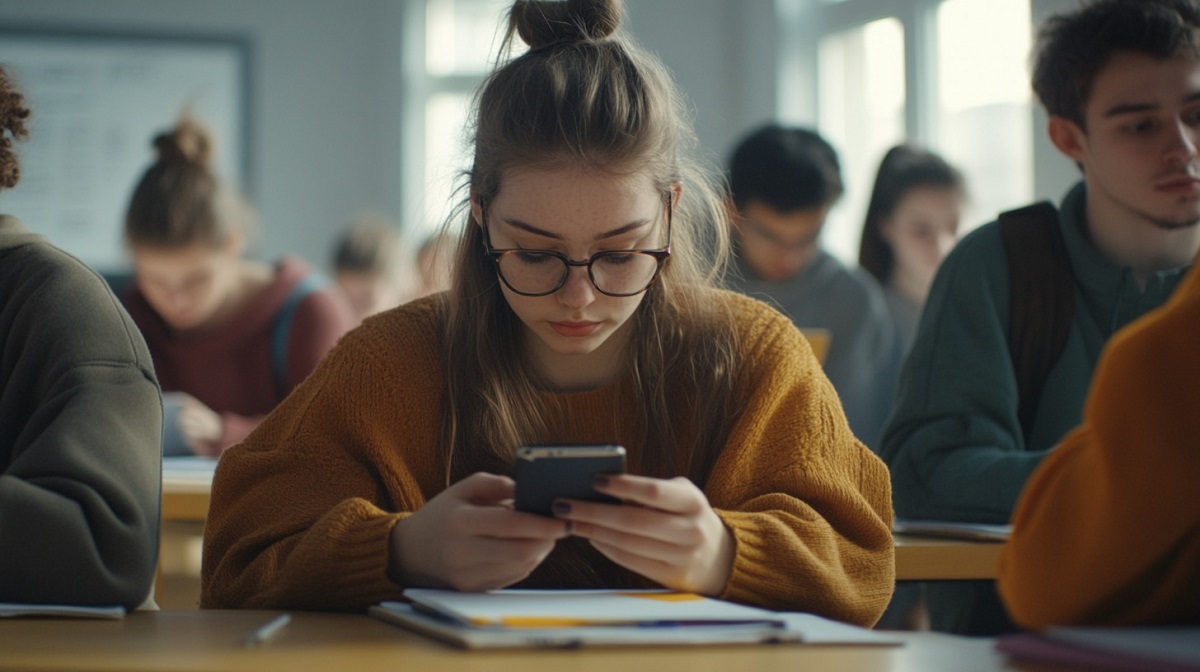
x=546 y=473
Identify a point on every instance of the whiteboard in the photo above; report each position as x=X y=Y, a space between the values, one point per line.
x=97 y=101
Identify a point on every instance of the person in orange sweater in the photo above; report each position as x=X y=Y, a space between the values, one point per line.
x=583 y=310
x=1108 y=530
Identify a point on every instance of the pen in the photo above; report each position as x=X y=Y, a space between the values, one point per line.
x=267 y=631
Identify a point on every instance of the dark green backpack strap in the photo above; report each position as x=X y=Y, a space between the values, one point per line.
x=1042 y=300
x=283 y=327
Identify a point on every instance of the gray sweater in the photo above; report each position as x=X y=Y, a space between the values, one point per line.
x=864 y=349
x=80 y=428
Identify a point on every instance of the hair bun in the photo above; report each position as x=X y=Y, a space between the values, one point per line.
x=541 y=23
x=188 y=142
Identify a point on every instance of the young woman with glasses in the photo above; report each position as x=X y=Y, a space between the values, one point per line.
x=582 y=311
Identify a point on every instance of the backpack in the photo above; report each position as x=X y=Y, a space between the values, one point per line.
x=1042 y=304
x=283 y=327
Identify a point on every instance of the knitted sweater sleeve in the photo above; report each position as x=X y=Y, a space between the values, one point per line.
x=302 y=510
x=1116 y=503
x=808 y=504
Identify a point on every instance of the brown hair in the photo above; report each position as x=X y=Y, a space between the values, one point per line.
x=583 y=95
x=13 y=114
x=904 y=168
x=1074 y=47
x=179 y=201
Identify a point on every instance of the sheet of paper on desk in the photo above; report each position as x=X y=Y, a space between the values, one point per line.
x=9 y=610
x=952 y=530
x=189 y=469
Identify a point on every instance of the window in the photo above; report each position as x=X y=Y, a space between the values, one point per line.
x=458 y=40
x=861 y=99
x=915 y=70
x=984 y=104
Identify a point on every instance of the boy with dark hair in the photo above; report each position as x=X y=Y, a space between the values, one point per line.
x=1121 y=82
x=783 y=182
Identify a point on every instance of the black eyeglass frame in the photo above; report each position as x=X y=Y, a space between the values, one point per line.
x=660 y=256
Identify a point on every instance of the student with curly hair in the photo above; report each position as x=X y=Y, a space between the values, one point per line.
x=80 y=421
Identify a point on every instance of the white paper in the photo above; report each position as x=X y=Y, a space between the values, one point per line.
x=584 y=607
x=10 y=610
x=952 y=530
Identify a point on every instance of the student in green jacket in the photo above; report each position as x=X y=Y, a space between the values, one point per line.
x=80 y=422
x=1120 y=80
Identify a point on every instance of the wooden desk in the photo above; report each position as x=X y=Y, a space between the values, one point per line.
x=933 y=559
x=186 y=487
x=211 y=640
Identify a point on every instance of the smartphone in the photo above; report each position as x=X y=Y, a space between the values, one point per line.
x=547 y=473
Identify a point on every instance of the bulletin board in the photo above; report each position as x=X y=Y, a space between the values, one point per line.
x=97 y=101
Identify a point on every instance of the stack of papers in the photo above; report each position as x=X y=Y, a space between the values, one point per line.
x=10 y=610
x=951 y=530
x=197 y=471
x=574 y=618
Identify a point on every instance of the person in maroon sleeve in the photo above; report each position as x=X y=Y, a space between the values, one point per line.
x=230 y=336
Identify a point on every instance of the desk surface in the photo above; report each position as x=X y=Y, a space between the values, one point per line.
x=934 y=559
x=186 y=486
x=211 y=640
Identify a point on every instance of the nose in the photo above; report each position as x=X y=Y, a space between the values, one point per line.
x=578 y=290
x=1181 y=149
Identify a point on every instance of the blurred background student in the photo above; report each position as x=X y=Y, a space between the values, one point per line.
x=911 y=225
x=79 y=421
x=232 y=335
x=783 y=182
x=372 y=266
x=435 y=263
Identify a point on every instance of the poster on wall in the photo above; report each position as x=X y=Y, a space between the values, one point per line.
x=97 y=101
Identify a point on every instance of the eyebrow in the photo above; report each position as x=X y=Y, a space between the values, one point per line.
x=1134 y=108
x=524 y=226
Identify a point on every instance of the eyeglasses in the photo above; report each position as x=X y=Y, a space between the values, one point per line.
x=543 y=272
x=756 y=228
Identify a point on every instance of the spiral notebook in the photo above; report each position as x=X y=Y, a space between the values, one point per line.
x=578 y=618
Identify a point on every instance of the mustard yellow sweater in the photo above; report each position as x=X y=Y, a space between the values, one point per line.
x=1107 y=532
x=301 y=511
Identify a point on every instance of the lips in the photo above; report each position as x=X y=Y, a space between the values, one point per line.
x=575 y=329
x=1180 y=183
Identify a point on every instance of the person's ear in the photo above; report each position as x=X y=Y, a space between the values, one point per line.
x=1068 y=137
x=676 y=194
x=476 y=209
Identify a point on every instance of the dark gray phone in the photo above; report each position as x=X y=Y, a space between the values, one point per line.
x=547 y=473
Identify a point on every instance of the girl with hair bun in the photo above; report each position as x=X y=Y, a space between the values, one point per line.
x=230 y=336
x=583 y=310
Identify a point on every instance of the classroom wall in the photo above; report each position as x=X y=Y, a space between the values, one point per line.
x=327 y=104
x=323 y=137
